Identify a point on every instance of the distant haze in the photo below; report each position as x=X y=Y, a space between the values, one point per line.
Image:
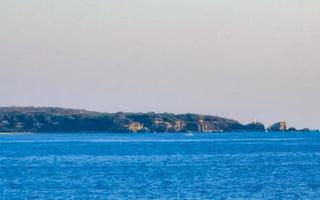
x=249 y=59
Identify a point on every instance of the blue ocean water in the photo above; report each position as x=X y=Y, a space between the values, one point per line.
x=160 y=166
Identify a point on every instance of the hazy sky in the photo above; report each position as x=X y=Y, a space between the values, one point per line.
x=241 y=59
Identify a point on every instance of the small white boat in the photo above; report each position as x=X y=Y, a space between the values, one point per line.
x=189 y=134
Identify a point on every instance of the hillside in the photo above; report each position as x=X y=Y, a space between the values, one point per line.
x=51 y=119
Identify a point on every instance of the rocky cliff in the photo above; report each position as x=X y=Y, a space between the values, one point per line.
x=31 y=119
x=280 y=126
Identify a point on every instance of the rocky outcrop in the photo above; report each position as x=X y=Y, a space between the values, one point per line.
x=255 y=126
x=280 y=126
x=292 y=129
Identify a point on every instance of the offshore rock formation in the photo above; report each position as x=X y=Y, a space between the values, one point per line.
x=31 y=119
x=292 y=129
x=280 y=126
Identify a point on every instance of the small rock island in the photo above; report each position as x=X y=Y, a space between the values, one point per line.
x=52 y=119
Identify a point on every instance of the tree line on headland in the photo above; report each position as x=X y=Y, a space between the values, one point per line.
x=52 y=119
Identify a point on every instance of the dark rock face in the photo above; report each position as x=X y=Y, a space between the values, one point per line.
x=31 y=119
x=280 y=126
x=256 y=126
x=291 y=129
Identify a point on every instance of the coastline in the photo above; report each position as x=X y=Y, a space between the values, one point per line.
x=52 y=119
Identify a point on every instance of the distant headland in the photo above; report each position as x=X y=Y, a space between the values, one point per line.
x=53 y=119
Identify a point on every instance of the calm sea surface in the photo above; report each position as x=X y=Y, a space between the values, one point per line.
x=160 y=166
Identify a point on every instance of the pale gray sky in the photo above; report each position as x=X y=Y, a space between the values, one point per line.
x=241 y=59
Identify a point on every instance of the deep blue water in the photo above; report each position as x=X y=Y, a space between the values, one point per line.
x=160 y=166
